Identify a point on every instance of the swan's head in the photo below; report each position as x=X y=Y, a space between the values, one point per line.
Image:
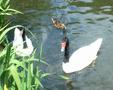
x=65 y=49
x=64 y=44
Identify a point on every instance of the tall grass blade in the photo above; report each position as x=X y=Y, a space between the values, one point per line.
x=7 y=58
x=29 y=77
x=3 y=28
x=1 y=8
x=6 y=3
x=14 y=11
x=7 y=30
x=14 y=73
x=45 y=74
x=64 y=77
x=1 y=1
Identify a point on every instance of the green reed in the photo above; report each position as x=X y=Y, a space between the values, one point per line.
x=19 y=73
x=6 y=10
x=16 y=73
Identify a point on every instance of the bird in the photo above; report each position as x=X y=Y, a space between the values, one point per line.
x=22 y=44
x=58 y=24
x=81 y=58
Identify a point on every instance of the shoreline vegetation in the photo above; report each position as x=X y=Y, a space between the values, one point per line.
x=16 y=73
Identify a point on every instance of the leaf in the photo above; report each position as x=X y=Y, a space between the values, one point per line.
x=2 y=53
x=1 y=69
x=1 y=87
x=4 y=13
x=14 y=11
x=7 y=7
x=18 y=64
x=1 y=29
x=64 y=77
x=37 y=60
x=1 y=1
x=40 y=52
x=5 y=87
x=14 y=73
x=7 y=58
x=14 y=61
x=7 y=30
x=29 y=77
x=44 y=62
x=1 y=8
x=45 y=74
x=6 y=3
x=37 y=81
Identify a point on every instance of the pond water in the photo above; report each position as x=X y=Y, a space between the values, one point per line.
x=86 y=20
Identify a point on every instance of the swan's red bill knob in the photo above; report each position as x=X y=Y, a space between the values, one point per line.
x=63 y=45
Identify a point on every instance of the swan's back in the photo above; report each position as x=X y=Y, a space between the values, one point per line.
x=26 y=51
x=18 y=44
x=96 y=45
x=83 y=57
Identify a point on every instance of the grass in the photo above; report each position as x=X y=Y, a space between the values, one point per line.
x=19 y=73
x=16 y=73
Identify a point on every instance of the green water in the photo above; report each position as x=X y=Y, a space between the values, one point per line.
x=86 y=20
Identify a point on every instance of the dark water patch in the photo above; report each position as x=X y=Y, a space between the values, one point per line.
x=72 y=7
x=111 y=20
x=102 y=18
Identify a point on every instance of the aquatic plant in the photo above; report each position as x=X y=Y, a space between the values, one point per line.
x=16 y=73
x=19 y=73
x=6 y=10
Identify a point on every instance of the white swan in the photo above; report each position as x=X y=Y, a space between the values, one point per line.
x=18 y=43
x=81 y=58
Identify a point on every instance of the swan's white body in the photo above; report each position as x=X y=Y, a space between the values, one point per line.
x=83 y=57
x=18 y=44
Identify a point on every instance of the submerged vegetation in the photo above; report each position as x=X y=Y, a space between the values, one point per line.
x=16 y=73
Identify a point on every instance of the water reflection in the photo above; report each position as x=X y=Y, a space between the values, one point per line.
x=86 y=20
x=86 y=1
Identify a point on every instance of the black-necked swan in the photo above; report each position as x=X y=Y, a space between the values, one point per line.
x=20 y=39
x=81 y=58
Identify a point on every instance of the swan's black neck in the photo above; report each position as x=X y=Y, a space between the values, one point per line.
x=24 y=39
x=66 y=52
x=23 y=35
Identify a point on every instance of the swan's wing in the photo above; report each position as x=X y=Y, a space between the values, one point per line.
x=78 y=62
x=26 y=51
x=85 y=55
x=82 y=56
x=87 y=52
x=29 y=42
x=18 y=41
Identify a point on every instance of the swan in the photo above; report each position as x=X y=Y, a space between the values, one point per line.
x=81 y=58
x=58 y=24
x=19 y=42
